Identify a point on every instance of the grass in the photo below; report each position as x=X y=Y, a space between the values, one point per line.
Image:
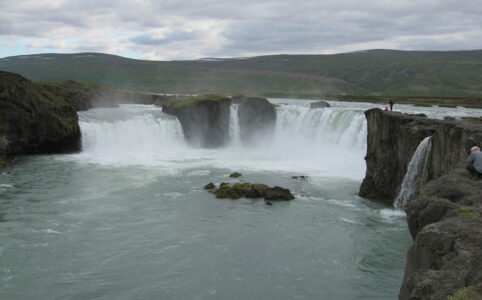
x=451 y=74
x=468 y=212
x=462 y=294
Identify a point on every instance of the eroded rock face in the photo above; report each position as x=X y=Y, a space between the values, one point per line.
x=392 y=139
x=257 y=119
x=204 y=119
x=319 y=104
x=33 y=119
x=445 y=219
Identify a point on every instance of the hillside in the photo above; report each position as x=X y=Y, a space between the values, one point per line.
x=373 y=72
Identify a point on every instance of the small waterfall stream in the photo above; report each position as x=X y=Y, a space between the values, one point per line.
x=411 y=182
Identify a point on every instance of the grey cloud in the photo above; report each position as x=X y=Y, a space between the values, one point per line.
x=258 y=27
x=177 y=36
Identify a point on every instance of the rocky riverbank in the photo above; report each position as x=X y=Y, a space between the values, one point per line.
x=445 y=218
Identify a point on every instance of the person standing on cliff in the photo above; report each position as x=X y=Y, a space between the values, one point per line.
x=391 y=105
x=474 y=162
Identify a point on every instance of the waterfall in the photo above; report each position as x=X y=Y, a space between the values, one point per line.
x=329 y=141
x=411 y=181
x=234 y=125
x=130 y=129
x=322 y=127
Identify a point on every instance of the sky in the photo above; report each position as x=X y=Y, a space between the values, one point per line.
x=180 y=30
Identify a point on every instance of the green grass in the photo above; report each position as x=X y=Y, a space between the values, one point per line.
x=461 y=294
x=468 y=212
x=375 y=73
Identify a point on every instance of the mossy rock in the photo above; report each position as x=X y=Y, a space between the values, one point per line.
x=178 y=103
x=35 y=119
x=248 y=190
x=468 y=212
x=235 y=175
x=463 y=294
x=209 y=186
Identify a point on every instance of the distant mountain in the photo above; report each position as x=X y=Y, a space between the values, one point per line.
x=372 y=72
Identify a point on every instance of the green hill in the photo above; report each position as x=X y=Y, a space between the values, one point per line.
x=373 y=72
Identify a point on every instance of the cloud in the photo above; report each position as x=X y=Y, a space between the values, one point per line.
x=172 y=29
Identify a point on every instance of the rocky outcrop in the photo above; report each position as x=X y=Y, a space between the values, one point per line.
x=204 y=119
x=257 y=119
x=445 y=221
x=319 y=104
x=42 y=117
x=34 y=119
x=248 y=190
x=393 y=138
x=445 y=218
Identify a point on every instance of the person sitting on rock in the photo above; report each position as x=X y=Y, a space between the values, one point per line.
x=474 y=162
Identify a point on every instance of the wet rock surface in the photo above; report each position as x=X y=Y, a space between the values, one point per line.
x=249 y=190
x=319 y=104
x=204 y=119
x=257 y=119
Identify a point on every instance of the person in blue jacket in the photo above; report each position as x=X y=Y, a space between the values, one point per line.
x=474 y=162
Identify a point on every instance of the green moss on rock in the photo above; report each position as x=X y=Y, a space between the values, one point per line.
x=462 y=294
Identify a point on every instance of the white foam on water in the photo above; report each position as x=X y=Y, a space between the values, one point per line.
x=319 y=142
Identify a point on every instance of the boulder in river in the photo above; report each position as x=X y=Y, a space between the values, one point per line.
x=248 y=190
x=319 y=104
x=235 y=175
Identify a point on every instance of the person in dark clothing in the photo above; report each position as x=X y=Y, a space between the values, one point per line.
x=391 y=105
x=474 y=162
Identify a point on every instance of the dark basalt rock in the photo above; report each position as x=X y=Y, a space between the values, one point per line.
x=257 y=119
x=236 y=99
x=445 y=218
x=319 y=104
x=209 y=186
x=278 y=193
x=235 y=175
x=204 y=119
x=34 y=120
x=248 y=190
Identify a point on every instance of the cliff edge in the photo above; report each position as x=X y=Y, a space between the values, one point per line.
x=445 y=219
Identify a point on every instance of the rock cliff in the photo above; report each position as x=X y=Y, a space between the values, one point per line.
x=257 y=119
x=445 y=219
x=34 y=119
x=42 y=117
x=204 y=119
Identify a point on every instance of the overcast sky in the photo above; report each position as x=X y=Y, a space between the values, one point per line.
x=167 y=29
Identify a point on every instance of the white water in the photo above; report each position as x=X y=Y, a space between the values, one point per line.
x=234 y=125
x=328 y=142
x=410 y=184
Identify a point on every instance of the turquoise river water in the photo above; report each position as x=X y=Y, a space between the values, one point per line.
x=127 y=218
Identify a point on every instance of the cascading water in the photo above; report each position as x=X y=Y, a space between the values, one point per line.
x=129 y=131
x=234 y=125
x=411 y=181
x=332 y=127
